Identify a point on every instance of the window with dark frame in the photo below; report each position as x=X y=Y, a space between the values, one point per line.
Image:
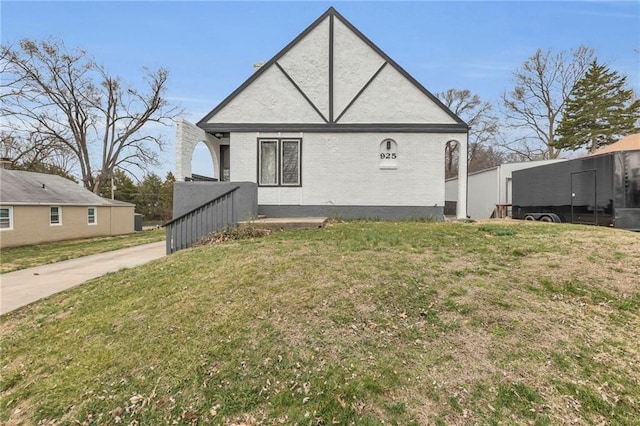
x=290 y=171
x=268 y=162
x=279 y=162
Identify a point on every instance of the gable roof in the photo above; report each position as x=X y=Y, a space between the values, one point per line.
x=18 y=187
x=628 y=143
x=331 y=78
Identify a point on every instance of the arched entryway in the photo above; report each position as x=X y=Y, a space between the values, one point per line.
x=198 y=152
x=455 y=159
x=451 y=159
x=203 y=162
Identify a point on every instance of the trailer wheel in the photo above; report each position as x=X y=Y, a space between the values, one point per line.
x=529 y=217
x=546 y=219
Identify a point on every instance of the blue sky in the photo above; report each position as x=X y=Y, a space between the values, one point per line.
x=210 y=46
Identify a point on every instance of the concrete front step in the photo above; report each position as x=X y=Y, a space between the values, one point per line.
x=281 y=223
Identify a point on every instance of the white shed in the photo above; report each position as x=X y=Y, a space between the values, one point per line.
x=488 y=188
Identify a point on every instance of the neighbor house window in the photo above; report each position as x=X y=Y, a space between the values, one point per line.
x=92 y=216
x=6 y=218
x=279 y=162
x=55 y=215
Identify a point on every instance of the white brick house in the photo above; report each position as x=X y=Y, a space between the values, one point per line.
x=331 y=125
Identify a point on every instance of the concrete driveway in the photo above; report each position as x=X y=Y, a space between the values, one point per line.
x=22 y=287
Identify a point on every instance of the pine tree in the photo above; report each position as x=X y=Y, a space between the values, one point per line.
x=166 y=196
x=148 y=197
x=600 y=111
x=124 y=188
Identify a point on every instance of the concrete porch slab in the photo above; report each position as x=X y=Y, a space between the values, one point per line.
x=281 y=223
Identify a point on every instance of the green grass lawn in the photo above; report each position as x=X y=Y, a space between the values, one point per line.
x=359 y=323
x=15 y=258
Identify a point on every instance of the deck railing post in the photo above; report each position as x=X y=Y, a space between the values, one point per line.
x=167 y=233
x=234 y=210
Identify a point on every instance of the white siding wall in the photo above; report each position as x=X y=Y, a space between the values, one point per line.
x=269 y=99
x=354 y=64
x=307 y=63
x=344 y=169
x=483 y=194
x=403 y=104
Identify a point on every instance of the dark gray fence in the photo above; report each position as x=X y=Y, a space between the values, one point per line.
x=213 y=216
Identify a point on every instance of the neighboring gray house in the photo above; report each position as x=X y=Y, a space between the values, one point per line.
x=331 y=125
x=37 y=208
x=488 y=188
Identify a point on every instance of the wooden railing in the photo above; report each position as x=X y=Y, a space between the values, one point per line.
x=215 y=215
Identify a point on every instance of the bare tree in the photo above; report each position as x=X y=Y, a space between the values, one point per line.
x=29 y=152
x=483 y=128
x=61 y=99
x=535 y=105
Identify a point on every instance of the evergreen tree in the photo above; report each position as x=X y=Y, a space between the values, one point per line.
x=124 y=188
x=600 y=111
x=148 y=197
x=542 y=85
x=166 y=196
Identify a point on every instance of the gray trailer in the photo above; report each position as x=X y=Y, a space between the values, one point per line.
x=595 y=190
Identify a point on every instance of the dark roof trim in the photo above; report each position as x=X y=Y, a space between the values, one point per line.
x=304 y=95
x=331 y=12
x=264 y=68
x=331 y=117
x=336 y=128
x=398 y=67
x=355 y=98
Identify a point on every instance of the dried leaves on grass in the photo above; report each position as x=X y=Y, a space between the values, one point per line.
x=233 y=234
x=359 y=323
